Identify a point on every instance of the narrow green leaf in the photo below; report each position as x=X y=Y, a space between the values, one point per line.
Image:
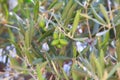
x=6 y=11
x=38 y=70
x=97 y=16
x=12 y=38
x=57 y=6
x=74 y=51
x=78 y=74
x=30 y=56
x=85 y=50
x=113 y=70
x=104 y=12
x=39 y=73
x=70 y=13
x=99 y=68
x=37 y=61
x=85 y=15
x=118 y=49
x=17 y=48
x=105 y=39
x=76 y=22
x=65 y=75
x=28 y=1
x=116 y=19
x=92 y=62
x=36 y=10
x=14 y=62
x=46 y=34
x=55 y=69
x=66 y=9
x=101 y=60
x=27 y=39
x=96 y=65
x=52 y=4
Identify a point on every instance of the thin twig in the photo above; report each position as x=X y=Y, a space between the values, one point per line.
x=7 y=25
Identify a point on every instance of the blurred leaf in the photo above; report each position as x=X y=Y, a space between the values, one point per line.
x=14 y=62
x=57 y=6
x=87 y=16
x=65 y=75
x=36 y=10
x=17 y=48
x=52 y=4
x=74 y=51
x=12 y=38
x=70 y=14
x=101 y=60
x=105 y=40
x=28 y=1
x=37 y=61
x=85 y=50
x=104 y=12
x=61 y=58
x=39 y=71
x=116 y=19
x=78 y=74
x=113 y=70
x=27 y=39
x=97 y=66
x=6 y=11
x=66 y=9
x=76 y=22
x=55 y=69
x=46 y=34
x=118 y=50
x=97 y=16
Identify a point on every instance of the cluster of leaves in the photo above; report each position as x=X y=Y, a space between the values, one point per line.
x=35 y=22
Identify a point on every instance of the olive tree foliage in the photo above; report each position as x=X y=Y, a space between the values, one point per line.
x=52 y=34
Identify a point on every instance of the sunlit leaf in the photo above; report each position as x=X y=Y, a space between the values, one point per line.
x=105 y=14
x=113 y=70
x=76 y=22
x=66 y=9
x=97 y=16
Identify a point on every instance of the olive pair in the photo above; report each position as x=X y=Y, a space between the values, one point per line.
x=59 y=40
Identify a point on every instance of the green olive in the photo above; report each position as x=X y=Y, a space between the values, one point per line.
x=55 y=42
x=63 y=41
x=42 y=23
x=55 y=35
x=59 y=46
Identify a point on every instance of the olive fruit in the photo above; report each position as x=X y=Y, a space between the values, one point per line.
x=55 y=42
x=42 y=23
x=63 y=41
x=55 y=35
x=59 y=46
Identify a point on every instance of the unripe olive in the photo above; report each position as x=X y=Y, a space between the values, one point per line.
x=55 y=42
x=59 y=46
x=55 y=35
x=42 y=23
x=63 y=41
